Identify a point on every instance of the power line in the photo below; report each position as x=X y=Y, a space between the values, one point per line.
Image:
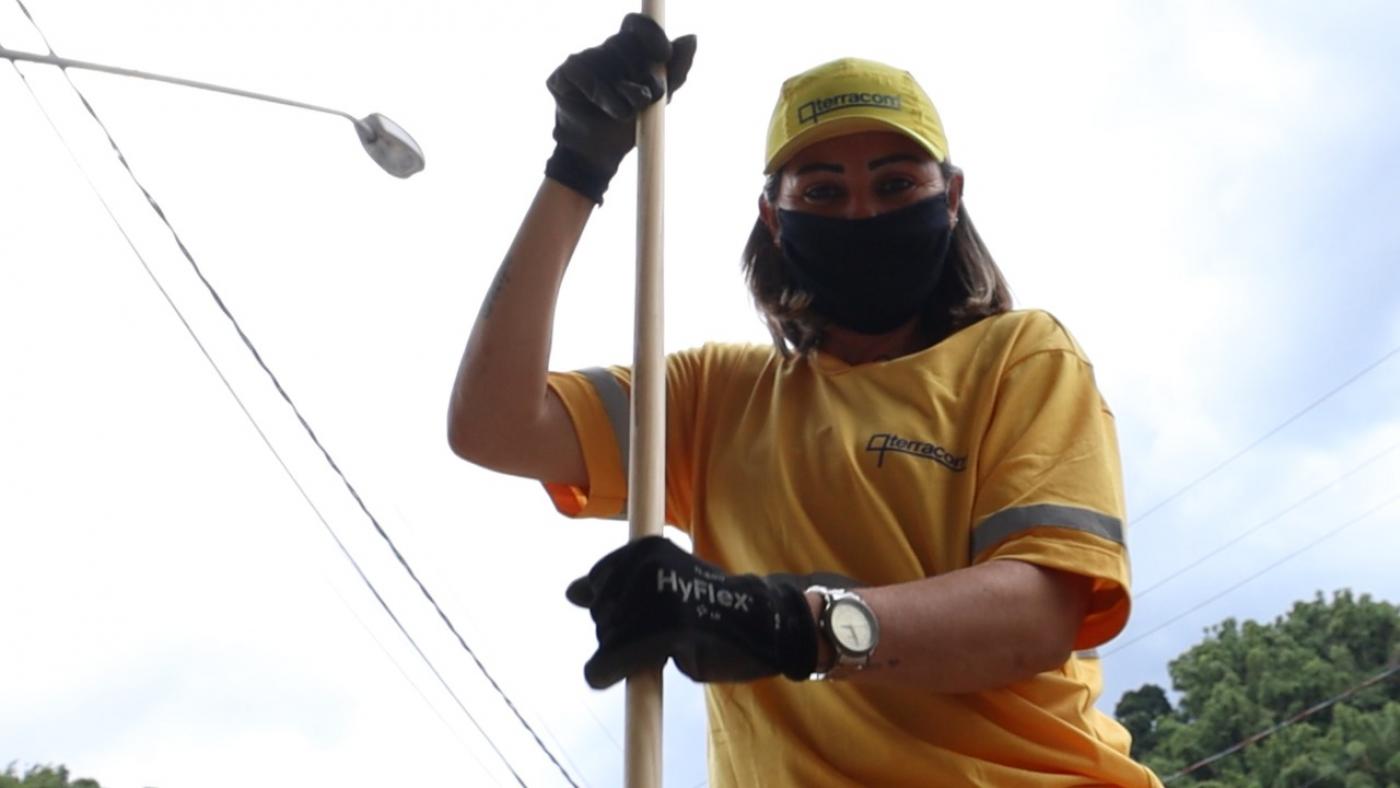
x=542 y=720
x=306 y=426
x=257 y=427
x=436 y=569
x=393 y=660
x=1308 y=712
x=1137 y=595
x=1257 y=575
x=1209 y=473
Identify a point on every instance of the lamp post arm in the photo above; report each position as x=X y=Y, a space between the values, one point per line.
x=63 y=62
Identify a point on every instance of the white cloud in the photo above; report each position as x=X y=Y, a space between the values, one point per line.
x=1129 y=168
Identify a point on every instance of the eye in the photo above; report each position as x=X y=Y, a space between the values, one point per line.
x=820 y=192
x=895 y=185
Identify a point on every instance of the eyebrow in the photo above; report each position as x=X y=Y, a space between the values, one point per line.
x=874 y=165
x=891 y=159
x=820 y=167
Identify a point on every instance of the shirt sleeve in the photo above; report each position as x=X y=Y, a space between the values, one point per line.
x=1050 y=488
x=598 y=401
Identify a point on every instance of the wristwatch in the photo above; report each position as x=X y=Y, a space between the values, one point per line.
x=851 y=628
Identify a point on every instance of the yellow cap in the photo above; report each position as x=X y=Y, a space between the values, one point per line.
x=846 y=96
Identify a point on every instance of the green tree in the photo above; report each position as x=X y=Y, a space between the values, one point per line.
x=43 y=777
x=1247 y=677
x=1140 y=711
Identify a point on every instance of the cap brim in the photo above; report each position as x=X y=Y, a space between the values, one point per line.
x=851 y=123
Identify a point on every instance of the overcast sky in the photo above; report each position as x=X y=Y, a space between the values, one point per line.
x=1204 y=192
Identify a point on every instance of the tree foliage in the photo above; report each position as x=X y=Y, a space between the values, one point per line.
x=1246 y=677
x=43 y=777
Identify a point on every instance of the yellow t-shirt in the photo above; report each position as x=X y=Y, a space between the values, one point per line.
x=993 y=444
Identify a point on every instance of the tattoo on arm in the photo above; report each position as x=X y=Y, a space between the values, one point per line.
x=502 y=277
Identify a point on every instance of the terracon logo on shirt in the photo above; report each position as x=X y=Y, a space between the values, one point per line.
x=886 y=442
x=814 y=109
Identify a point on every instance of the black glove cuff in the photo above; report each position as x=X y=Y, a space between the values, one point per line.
x=570 y=168
x=797 y=633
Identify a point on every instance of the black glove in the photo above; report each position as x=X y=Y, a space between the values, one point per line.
x=652 y=600
x=598 y=94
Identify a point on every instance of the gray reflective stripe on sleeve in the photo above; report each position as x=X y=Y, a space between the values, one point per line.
x=619 y=410
x=1009 y=522
x=617 y=407
x=1091 y=653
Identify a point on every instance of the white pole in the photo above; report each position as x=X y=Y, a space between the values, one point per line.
x=647 y=474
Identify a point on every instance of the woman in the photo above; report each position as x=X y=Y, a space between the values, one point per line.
x=907 y=515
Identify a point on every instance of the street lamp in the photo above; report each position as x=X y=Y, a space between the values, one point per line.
x=384 y=140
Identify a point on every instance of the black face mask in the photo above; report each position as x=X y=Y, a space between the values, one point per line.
x=868 y=275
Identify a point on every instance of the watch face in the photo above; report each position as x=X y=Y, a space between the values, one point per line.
x=852 y=627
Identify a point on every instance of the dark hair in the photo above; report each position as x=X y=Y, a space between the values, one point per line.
x=972 y=287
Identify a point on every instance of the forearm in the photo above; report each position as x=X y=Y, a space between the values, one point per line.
x=972 y=629
x=500 y=383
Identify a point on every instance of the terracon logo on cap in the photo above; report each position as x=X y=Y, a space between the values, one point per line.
x=814 y=109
